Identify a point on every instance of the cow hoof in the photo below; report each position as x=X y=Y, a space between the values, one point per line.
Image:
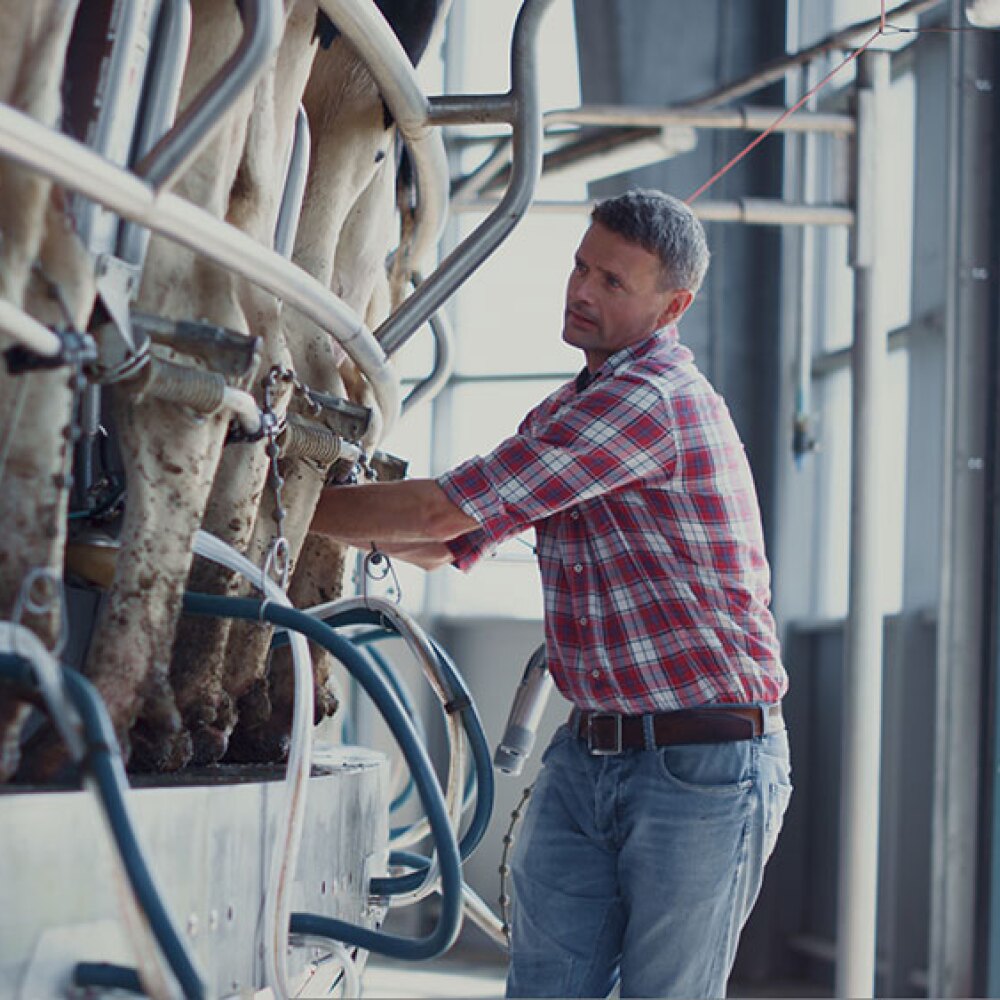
x=44 y=761
x=159 y=753
x=257 y=746
x=210 y=745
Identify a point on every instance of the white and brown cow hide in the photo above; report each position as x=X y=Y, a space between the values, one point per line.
x=173 y=700
x=170 y=453
x=347 y=230
x=242 y=474
x=37 y=246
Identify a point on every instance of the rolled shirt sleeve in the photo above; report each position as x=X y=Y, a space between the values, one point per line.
x=601 y=440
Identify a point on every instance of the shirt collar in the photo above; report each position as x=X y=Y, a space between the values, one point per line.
x=666 y=338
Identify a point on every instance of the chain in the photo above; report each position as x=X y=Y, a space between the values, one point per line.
x=278 y=558
x=508 y=846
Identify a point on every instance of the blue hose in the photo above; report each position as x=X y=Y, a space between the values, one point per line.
x=104 y=762
x=460 y=701
x=314 y=925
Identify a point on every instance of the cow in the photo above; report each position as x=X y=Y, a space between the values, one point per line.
x=347 y=228
x=175 y=693
x=45 y=271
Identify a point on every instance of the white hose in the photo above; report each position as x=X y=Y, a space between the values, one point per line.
x=244 y=408
x=27 y=331
x=284 y=855
x=74 y=166
x=338 y=953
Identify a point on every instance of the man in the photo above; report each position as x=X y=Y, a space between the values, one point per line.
x=660 y=800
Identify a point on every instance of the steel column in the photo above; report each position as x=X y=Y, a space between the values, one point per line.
x=861 y=750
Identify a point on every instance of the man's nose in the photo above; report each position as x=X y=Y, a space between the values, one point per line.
x=580 y=287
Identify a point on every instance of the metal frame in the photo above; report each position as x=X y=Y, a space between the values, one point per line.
x=263 y=25
x=521 y=107
x=78 y=168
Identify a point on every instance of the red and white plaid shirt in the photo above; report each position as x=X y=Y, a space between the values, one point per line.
x=649 y=537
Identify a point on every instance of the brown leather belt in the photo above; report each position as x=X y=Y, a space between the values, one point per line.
x=608 y=733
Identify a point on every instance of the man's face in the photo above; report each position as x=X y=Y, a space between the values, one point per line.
x=614 y=296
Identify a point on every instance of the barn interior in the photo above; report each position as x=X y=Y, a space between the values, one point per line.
x=248 y=253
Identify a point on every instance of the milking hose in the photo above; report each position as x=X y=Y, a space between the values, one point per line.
x=481 y=754
x=314 y=925
x=103 y=759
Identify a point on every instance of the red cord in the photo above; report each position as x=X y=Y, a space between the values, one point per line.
x=789 y=111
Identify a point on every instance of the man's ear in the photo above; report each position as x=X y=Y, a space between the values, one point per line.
x=676 y=307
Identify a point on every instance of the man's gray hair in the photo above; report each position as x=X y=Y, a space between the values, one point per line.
x=664 y=226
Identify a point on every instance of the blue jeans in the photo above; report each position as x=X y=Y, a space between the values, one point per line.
x=643 y=865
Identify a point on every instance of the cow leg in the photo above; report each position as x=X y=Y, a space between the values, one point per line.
x=241 y=478
x=170 y=454
x=35 y=408
x=265 y=715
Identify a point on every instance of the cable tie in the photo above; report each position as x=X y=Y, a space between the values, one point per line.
x=459 y=704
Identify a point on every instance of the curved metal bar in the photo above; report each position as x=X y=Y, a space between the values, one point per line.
x=263 y=22
x=363 y=25
x=295 y=186
x=72 y=165
x=173 y=37
x=444 y=363
x=527 y=166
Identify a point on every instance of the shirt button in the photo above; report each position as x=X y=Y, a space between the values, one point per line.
x=583 y=620
x=574 y=515
x=578 y=568
x=595 y=673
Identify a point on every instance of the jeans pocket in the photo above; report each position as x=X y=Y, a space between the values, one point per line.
x=778 y=796
x=712 y=768
x=560 y=736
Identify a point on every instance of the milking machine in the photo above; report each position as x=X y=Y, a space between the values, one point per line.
x=215 y=884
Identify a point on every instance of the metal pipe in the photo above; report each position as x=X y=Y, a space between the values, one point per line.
x=753 y=211
x=777 y=68
x=771 y=73
x=363 y=25
x=444 y=363
x=170 y=47
x=295 y=186
x=527 y=165
x=861 y=751
x=748 y=118
x=74 y=166
x=263 y=24
x=471 y=109
x=959 y=821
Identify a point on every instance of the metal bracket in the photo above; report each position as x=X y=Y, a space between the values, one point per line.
x=78 y=349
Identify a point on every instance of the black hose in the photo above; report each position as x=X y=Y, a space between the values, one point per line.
x=107 y=976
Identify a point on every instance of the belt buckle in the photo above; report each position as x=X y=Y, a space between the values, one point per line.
x=598 y=751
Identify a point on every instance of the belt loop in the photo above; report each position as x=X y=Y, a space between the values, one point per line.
x=648 y=736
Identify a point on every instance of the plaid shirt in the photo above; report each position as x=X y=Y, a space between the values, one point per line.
x=649 y=538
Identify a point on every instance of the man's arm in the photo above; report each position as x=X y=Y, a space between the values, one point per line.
x=409 y=513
